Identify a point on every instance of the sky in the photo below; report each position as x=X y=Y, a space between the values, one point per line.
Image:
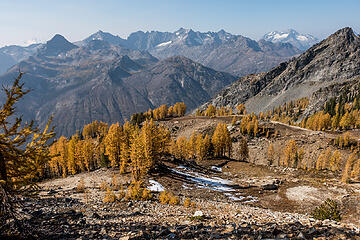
x=23 y=22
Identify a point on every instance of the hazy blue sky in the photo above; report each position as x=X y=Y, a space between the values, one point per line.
x=24 y=20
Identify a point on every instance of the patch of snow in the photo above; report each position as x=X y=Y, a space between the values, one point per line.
x=232 y=197
x=202 y=181
x=248 y=199
x=219 y=169
x=198 y=214
x=155 y=186
x=302 y=38
x=278 y=36
x=251 y=199
x=183 y=167
x=186 y=186
x=164 y=44
x=230 y=128
x=182 y=82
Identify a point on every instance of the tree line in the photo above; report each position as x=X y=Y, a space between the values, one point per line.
x=126 y=146
x=160 y=113
x=293 y=156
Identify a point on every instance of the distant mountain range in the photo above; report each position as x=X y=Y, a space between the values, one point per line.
x=10 y=55
x=301 y=41
x=100 y=81
x=220 y=50
x=320 y=71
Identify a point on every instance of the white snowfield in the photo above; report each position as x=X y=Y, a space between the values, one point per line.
x=280 y=36
x=302 y=38
x=218 y=169
x=212 y=183
x=202 y=181
x=164 y=44
x=155 y=186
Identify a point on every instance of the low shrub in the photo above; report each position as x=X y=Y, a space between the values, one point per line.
x=136 y=191
x=168 y=198
x=188 y=203
x=110 y=196
x=327 y=210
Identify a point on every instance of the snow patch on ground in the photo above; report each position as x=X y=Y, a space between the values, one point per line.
x=155 y=186
x=219 y=169
x=203 y=181
x=186 y=186
x=232 y=197
x=247 y=199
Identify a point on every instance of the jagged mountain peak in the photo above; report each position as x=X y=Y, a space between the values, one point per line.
x=182 y=30
x=58 y=39
x=100 y=35
x=56 y=45
x=344 y=34
x=105 y=36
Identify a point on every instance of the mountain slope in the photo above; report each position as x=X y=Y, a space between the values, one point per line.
x=334 y=60
x=179 y=79
x=301 y=41
x=6 y=61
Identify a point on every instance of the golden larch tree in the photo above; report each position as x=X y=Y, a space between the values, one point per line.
x=113 y=144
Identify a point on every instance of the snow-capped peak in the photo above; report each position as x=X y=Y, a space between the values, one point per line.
x=301 y=41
